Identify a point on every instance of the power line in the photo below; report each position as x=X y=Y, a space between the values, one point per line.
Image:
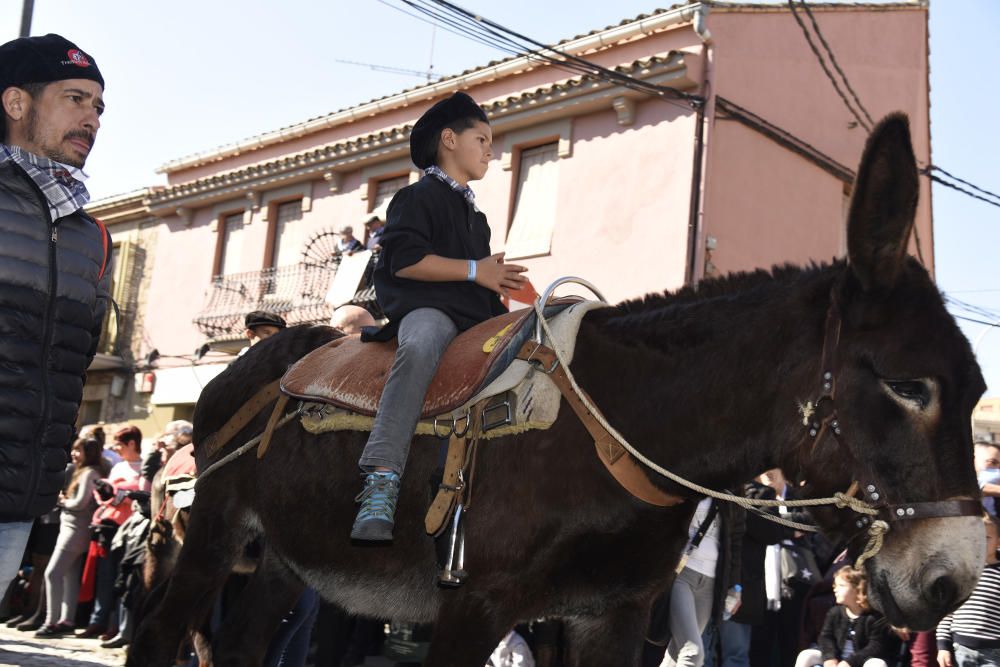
x=945 y=183
x=826 y=70
x=956 y=178
x=969 y=319
x=833 y=61
x=505 y=38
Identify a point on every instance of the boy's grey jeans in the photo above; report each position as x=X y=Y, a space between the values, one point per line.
x=424 y=335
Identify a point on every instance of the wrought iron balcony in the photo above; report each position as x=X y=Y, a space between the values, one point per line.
x=296 y=292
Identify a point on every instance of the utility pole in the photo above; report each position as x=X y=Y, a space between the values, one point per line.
x=26 y=12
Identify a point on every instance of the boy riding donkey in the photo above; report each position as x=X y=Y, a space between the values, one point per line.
x=434 y=278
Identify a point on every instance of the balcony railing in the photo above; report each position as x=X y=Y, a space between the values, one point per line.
x=296 y=292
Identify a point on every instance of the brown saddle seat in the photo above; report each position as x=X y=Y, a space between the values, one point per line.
x=350 y=374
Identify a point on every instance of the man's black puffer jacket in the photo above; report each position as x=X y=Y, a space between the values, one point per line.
x=52 y=307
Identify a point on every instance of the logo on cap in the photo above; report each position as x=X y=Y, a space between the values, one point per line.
x=78 y=58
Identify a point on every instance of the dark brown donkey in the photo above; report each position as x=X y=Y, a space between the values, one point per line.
x=709 y=382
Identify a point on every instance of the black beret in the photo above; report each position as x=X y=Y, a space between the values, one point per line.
x=259 y=318
x=426 y=132
x=43 y=60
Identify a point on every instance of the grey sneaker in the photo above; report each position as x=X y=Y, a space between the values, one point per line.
x=378 y=506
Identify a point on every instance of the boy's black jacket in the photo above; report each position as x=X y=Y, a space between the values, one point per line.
x=429 y=218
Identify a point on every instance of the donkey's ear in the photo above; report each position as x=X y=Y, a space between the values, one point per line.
x=883 y=205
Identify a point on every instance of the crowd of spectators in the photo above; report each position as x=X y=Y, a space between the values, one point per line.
x=749 y=592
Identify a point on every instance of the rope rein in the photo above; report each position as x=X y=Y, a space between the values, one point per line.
x=840 y=500
x=243 y=449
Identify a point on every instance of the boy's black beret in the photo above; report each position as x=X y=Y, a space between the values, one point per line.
x=426 y=132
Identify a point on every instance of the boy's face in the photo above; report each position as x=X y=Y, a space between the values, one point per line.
x=468 y=153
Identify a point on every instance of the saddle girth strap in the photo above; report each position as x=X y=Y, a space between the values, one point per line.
x=243 y=416
x=622 y=465
x=452 y=487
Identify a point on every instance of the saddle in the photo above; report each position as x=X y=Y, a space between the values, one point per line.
x=351 y=375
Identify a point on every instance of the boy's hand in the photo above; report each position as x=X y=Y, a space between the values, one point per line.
x=493 y=274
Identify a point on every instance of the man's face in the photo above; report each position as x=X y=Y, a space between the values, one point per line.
x=260 y=332
x=987 y=456
x=60 y=122
x=471 y=150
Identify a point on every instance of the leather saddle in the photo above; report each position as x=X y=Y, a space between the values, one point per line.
x=349 y=374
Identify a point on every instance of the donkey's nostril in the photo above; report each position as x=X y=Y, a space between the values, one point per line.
x=943 y=593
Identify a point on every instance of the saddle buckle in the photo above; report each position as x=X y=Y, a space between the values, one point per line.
x=506 y=417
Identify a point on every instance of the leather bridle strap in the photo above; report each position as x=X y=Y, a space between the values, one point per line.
x=216 y=441
x=938 y=509
x=622 y=466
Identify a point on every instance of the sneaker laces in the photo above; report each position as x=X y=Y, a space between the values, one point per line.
x=378 y=498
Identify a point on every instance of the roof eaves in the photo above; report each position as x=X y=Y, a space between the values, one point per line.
x=660 y=19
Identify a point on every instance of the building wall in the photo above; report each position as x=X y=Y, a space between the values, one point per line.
x=766 y=205
x=623 y=185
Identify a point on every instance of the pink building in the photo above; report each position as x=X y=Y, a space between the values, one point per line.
x=634 y=192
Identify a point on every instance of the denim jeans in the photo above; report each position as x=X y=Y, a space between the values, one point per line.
x=290 y=645
x=104 y=593
x=13 y=540
x=976 y=657
x=734 y=639
x=424 y=335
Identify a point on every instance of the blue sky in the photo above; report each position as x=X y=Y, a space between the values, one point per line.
x=187 y=76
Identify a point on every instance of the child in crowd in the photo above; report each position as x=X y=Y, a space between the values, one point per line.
x=970 y=636
x=435 y=277
x=852 y=635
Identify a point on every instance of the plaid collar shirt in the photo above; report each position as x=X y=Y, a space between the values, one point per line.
x=61 y=184
x=463 y=190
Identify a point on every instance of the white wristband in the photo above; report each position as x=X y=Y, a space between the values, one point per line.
x=471 y=277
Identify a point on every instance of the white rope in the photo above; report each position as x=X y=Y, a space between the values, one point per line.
x=841 y=500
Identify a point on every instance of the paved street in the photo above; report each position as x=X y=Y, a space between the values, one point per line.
x=22 y=649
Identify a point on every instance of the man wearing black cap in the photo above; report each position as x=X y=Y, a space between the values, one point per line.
x=261 y=324
x=54 y=273
x=434 y=278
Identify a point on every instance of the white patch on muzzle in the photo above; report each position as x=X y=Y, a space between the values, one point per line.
x=926 y=569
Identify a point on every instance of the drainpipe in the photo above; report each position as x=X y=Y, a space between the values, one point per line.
x=703 y=123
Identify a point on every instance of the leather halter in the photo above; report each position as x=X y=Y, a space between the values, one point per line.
x=820 y=418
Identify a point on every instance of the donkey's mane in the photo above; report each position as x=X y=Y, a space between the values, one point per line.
x=655 y=305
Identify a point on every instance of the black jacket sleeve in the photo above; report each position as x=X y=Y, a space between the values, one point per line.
x=828 y=635
x=409 y=231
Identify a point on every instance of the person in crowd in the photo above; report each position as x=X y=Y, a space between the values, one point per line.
x=290 y=646
x=351 y=319
x=62 y=576
x=375 y=226
x=176 y=435
x=260 y=324
x=513 y=651
x=52 y=97
x=775 y=642
x=101 y=569
x=347 y=243
x=970 y=635
x=708 y=572
x=853 y=635
x=987 y=462
x=434 y=277
x=735 y=633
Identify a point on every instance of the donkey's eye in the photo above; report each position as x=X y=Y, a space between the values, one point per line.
x=916 y=391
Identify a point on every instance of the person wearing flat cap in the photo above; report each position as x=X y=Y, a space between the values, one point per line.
x=434 y=278
x=54 y=272
x=261 y=324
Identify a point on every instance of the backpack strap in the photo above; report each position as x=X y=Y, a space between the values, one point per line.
x=106 y=243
